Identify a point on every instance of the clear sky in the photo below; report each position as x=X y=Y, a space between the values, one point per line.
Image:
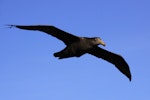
x=29 y=71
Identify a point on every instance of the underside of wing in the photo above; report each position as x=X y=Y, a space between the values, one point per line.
x=67 y=38
x=113 y=58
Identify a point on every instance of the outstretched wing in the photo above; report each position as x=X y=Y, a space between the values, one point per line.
x=67 y=38
x=113 y=58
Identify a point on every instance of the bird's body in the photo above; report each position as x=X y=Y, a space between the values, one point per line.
x=77 y=46
x=76 y=49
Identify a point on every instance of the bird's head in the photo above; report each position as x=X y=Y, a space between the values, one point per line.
x=98 y=41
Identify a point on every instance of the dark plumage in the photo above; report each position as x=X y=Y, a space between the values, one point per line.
x=77 y=46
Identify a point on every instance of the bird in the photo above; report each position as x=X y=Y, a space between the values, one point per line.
x=77 y=46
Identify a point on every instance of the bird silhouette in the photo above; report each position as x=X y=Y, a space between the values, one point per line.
x=77 y=46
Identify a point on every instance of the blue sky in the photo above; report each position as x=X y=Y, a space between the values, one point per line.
x=28 y=70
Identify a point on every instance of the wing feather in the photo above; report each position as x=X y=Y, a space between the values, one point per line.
x=67 y=38
x=113 y=58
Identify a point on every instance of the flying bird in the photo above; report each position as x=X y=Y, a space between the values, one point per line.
x=77 y=46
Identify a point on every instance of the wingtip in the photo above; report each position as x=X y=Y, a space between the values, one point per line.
x=10 y=26
x=130 y=78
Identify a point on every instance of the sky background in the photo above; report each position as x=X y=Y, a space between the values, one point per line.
x=29 y=71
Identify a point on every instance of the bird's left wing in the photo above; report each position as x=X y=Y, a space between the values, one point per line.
x=113 y=58
x=67 y=38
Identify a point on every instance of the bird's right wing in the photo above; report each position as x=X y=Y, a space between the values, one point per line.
x=67 y=38
x=113 y=58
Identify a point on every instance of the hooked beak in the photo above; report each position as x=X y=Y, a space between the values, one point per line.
x=101 y=42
